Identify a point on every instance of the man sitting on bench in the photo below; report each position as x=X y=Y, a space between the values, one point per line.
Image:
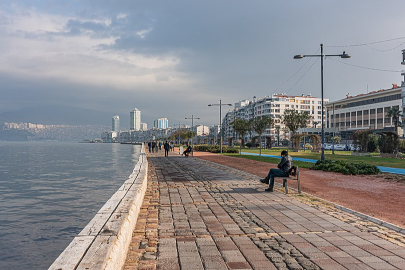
x=283 y=169
x=187 y=151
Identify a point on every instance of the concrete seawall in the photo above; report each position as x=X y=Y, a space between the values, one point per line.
x=104 y=242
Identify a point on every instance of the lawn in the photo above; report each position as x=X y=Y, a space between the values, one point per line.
x=339 y=155
x=300 y=164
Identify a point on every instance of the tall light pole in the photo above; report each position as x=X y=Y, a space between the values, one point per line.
x=300 y=56
x=179 y=135
x=220 y=118
x=192 y=126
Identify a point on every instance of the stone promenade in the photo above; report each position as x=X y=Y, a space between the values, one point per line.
x=200 y=215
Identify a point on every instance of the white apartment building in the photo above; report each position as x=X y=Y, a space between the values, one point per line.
x=274 y=107
x=135 y=120
x=115 y=123
x=364 y=111
x=144 y=126
x=201 y=130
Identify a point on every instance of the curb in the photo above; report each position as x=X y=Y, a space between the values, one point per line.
x=104 y=242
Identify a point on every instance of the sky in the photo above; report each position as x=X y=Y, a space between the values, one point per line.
x=173 y=58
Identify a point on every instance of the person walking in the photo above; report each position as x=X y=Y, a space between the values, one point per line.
x=283 y=168
x=150 y=146
x=166 y=146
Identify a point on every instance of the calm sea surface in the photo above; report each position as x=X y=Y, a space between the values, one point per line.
x=49 y=191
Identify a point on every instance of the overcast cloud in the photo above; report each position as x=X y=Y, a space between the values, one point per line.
x=172 y=58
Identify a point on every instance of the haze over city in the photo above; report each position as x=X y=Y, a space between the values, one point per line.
x=173 y=58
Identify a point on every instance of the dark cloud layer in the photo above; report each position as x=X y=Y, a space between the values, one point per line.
x=227 y=50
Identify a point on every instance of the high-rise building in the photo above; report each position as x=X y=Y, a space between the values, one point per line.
x=162 y=123
x=144 y=126
x=115 y=123
x=135 y=120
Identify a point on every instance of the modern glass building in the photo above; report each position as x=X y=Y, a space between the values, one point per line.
x=161 y=123
x=115 y=123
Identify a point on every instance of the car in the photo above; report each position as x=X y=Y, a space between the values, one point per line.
x=308 y=146
x=327 y=146
x=340 y=147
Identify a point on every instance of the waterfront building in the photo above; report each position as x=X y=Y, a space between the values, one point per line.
x=273 y=106
x=201 y=130
x=135 y=120
x=110 y=136
x=161 y=123
x=144 y=126
x=115 y=123
x=364 y=111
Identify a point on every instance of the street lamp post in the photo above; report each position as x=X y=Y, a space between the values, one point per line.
x=300 y=56
x=179 y=135
x=192 y=127
x=220 y=118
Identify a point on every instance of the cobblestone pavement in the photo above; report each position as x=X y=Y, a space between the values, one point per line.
x=214 y=217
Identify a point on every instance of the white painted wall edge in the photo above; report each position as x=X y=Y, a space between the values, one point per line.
x=104 y=242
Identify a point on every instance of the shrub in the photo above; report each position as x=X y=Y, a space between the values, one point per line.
x=402 y=146
x=249 y=144
x=215 y=149
x=345 y=167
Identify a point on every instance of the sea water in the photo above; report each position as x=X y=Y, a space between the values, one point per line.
x=49 y=191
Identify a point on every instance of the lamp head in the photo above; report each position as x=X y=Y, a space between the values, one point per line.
x=298 y=56
x=344 y=55
x=209 y=104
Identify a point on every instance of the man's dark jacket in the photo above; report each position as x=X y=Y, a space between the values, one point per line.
x=286 y=163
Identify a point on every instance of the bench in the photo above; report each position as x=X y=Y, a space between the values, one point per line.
x=187 y=153
x=295 y=177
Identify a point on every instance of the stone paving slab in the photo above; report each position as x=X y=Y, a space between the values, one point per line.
x=207 y=216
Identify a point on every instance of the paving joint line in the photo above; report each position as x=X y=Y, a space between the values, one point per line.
x=363 y=216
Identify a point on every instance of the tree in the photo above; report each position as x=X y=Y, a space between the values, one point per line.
x=250 y=128
x=241 y=127
x=315 y=124
x=295 y=120
x=388 y=142
x=260 y=124
x=278 y=135
x=395 y=114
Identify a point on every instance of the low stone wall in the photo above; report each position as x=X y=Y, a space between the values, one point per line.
x=104 y=242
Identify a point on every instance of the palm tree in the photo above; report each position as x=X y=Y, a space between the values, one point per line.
x=395 y=114
x=260 y=124
x=315 y=124
x=241 y=126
